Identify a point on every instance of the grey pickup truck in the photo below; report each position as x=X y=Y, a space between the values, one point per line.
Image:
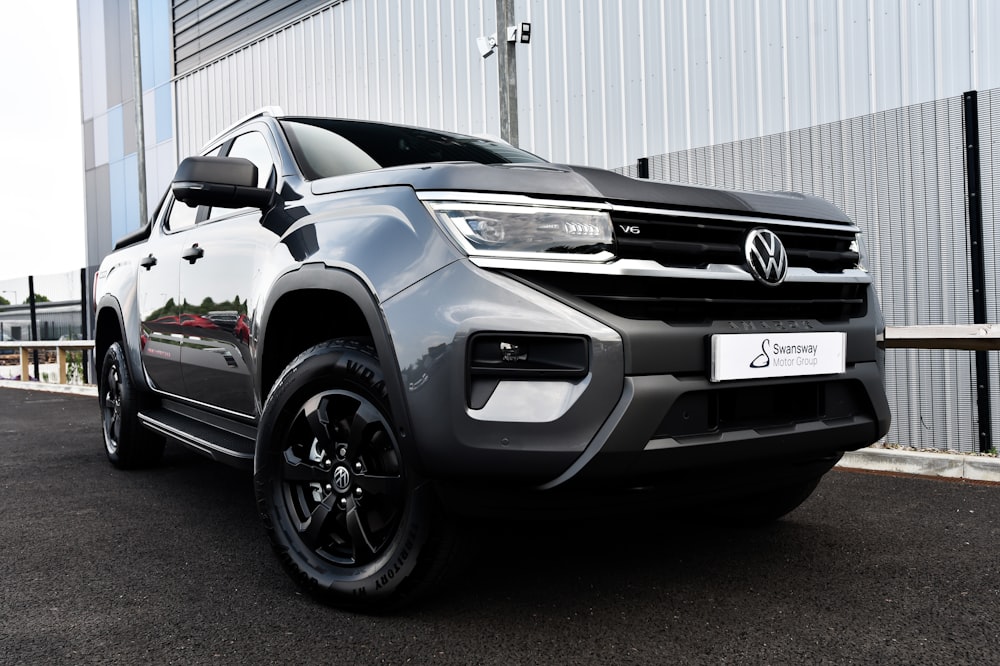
x=392 y=326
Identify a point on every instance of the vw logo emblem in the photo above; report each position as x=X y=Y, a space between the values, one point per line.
x=341 y=479
x=766 y=257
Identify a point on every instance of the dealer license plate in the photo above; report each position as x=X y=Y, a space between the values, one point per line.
x=762 y=355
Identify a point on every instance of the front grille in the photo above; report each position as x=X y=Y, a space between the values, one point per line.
x=693 y=242
x=692 y=301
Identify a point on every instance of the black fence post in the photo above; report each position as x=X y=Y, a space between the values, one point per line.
x=34 y=323
x=642 y=168
x=84 y=304
x=974 y=205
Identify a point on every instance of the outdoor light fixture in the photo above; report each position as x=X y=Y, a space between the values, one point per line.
x=525 y=33
x=486 y=45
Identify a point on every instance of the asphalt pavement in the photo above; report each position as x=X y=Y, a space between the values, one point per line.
x=169 y=566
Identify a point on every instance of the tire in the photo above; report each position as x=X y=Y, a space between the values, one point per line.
x=764 y=508
x=351 y=522
x=127 y=444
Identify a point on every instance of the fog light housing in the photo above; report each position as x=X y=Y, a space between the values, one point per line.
x=493 y=357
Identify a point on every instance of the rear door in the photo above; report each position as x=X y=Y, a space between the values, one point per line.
x=157 y=286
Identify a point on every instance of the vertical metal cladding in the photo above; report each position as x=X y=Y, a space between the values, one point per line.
x=602 y=83
x=206 y=29
x=651 y=77
x=390 y=60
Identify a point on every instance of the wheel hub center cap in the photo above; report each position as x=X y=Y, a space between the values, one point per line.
x=341 y=479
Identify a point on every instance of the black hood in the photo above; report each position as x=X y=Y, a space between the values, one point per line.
x=557 y=181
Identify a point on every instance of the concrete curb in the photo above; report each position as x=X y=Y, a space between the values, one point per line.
x=923 y=463
x=77 y=389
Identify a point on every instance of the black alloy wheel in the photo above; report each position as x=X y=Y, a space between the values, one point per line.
x=350 y=520
x=126 y=443
x=112 y=408
x=342 y=478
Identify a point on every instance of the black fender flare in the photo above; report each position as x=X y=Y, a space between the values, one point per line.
x=322 y=277
x=110 y=302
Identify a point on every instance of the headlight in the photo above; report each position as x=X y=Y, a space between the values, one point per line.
x=527 y=231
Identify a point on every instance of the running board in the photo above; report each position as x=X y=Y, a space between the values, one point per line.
x=218 y=444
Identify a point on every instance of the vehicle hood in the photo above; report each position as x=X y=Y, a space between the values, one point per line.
x=559 y=181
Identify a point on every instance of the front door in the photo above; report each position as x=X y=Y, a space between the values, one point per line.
x=215 y=319
x=217 y=272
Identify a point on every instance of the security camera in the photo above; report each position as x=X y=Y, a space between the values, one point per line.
x=486 y=45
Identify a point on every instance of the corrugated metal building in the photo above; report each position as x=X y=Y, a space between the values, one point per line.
x=602 y=82
x=787 y=94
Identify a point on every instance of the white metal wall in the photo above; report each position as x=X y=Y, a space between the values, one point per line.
x=393 y=60
x=604 y=82
x=607 y=81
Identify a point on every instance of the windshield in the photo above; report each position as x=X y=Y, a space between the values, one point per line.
x=325 y=147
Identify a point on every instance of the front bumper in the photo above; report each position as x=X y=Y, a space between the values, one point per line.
x=636 y=446
x=645 y=415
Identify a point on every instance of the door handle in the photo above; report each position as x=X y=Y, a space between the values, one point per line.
x=193 y=253
x=148 y=262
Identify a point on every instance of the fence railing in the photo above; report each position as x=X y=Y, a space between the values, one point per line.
x=62 y=347
x=979 y=338
x=971 y=337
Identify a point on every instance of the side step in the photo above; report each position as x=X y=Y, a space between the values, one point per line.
x=231 y=446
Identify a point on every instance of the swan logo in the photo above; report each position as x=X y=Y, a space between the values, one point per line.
x=766 y=257
x=763 y=359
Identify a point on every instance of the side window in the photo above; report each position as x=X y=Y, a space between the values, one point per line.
x=181 y=216
x=253 y=146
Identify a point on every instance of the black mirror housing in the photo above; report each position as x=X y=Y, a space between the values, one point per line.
x=224 y=182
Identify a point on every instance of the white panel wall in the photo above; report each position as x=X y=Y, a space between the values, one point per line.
x=604 y=82
x=392 y=60
x=607 y=81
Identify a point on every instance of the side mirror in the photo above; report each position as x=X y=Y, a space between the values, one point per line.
x=226 y=182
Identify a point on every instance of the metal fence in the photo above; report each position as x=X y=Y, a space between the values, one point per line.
x=46 y=307
x=904 y=177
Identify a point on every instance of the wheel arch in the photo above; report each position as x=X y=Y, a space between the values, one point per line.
x=297 y=316
x=109 y=328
